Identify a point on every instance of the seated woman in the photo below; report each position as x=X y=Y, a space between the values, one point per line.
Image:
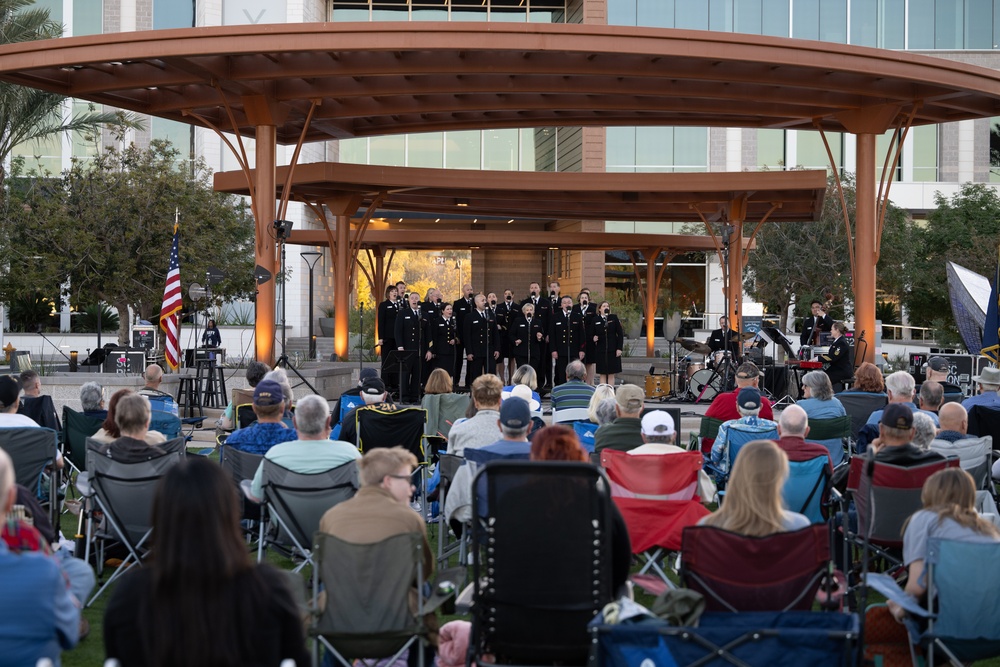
x=438 y=382
x=201 y=600
x=949 y=500
x=753 y=504
x=559 y=443
x=602 y=392
x=523 y=375
x=109 y=429
x=867 y=380
x=820 y=403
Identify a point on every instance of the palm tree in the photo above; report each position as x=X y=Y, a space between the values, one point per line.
x=27 y=114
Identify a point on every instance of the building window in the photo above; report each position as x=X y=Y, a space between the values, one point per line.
x=657 y=149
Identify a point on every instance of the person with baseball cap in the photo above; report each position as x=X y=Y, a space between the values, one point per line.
x=894 y=443
x=723 y=407
x=375 y=397
x=10 y=400
x=269 y=429
x=659 y=436
x=625 y=432
x=939 y=370
x=749 y=403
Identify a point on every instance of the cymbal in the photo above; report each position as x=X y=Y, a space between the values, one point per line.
x=748 y=335
x=694 y=346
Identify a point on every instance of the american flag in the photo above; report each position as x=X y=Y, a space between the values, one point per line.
x=171 y=307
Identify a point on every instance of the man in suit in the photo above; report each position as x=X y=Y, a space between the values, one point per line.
x=482 y=344
x=461 y=308
x=567 y=338
x=818 y=322
x=411 y=341
x=507 y=312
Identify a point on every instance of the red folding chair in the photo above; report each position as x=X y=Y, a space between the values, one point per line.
x=657 y=495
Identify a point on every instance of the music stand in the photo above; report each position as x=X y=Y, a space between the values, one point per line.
x=774 y=336
x=401 y=357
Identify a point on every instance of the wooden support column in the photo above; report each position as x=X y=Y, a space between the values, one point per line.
x=734 y=299
x=865 y=245
x=265 y=257
x=342 y=287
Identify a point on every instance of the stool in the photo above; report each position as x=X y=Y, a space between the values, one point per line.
x=189 y=396
x=211 y=382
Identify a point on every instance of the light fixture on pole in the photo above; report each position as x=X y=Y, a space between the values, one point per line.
x=311 y=257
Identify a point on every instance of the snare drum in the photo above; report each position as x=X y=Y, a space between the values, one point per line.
x=657 y=386
x=717 y=358
x=692 y=367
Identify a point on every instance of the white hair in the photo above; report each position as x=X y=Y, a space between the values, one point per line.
x=900 y=384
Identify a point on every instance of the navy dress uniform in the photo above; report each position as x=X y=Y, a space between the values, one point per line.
x=411 y=337
x=525 y=336
x=445 y=343
x=839 y=359
x=566 y=341
x=481 y=343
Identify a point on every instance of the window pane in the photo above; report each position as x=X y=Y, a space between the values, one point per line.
x=776 y=18
x=519 y=16
x=425 y=150
x=691 y=149
x=771 y=149
x=925 y=153
x=921 y=28
x=805 y=15
x=388 y=151
x=654 y=148
x=979 y=24
x=881 y=149
x=621 y=12
x=354 y=151
x=350 y=14
x=811 y=153
x=655 y=13
x=527 y=144
x=429 y=14
x=692 y=15
x=41 y=156
x=462 y=149
x=833 y=21
x=500 y=150
x=88 y=17
x=994 y=149
x=864 y=24
x=621 y=148
x=948 y=24
x=891 y=24
x=720 y=15
x=747 y=16
x=391 y=13
x=55 y=8
x=173 y=14
x=178 y=134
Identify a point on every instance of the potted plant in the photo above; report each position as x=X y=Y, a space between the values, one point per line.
x=326 y=322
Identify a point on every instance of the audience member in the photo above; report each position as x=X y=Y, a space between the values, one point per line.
x=820 y=403
x=723 y=407
x=38 y=617
x=931 y=396
x=280 y=375
x=375 y=397
x=380 y=509
x=949 y=512
x=625 y=432
x=153 y=376
x=363 y=375
x=606 y=411
x=753 y=504
x=868 y=379
x=894 y=443
x=38 y=407
x=954 y=422
x=749 y=405
x=601 y=392
x=989 y=385
x=923 y=430
x=524 y=375
x=254 y=374
x=659 y=436
x=482 y=429
x=313 y=452
x=939 y=370
x=92 y=400
x=269 y=429
x=574 y=393
x=793 y=427
x=132 y=415
x=439 y=382
x=201 y=600
x=109 y=429
x=10 y=390
x=900 y=388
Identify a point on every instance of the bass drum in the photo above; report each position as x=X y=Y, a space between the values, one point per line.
x=699 y=381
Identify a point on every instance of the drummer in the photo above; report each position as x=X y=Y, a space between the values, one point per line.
x=723 y=339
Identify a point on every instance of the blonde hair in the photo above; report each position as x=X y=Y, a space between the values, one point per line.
x=525 y=374
x=601 y=392
x=753 y=504
x=438 y=382
x=951 y=494
x=382 y=461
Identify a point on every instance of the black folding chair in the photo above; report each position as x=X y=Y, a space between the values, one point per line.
x=32 y=450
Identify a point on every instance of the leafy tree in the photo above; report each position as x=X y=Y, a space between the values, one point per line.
x=799 y=262
x=103 y=231
x=964 y=229
x=28 y=114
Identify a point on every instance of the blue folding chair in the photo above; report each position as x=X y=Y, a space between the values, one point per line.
x=166 y=423
x=806 y=488
x=585 y=432
x=737 y=435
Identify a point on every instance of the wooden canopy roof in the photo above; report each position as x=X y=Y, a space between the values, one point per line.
x=381 y=78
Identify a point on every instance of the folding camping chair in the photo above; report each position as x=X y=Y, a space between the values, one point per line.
x=123 y=492
x=32 y=450
x=524 y=610
x=657 y=495
x=245 y=416
x=293 y=503
x=736 y=437
x=41 y=410
x=377 y=427
x=807 y=488
x=443 y=410
x=736 y=573
x=585 y=431
x=447 y=545
x=859 y=406
x=962 y=580
x=708 y=429
x=77 y=427
x=830 y=429
x=368 y=588
x=242 y=465
x=984 y=421
x=570 y=415
x=167 y=424
x=974 y=455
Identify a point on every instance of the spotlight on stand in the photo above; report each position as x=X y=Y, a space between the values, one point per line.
x=282 y=229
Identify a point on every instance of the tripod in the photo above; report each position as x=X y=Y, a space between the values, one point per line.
x=726 y=370
x=282 y=361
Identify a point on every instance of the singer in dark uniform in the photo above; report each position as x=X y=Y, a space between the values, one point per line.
x=445 y=342
x=838 y=357
x=526 y=334
x=461 y=308
x=609 y=338
x=566 y=339
x=507 y=312
x=815 y=324
x=588 y=309
x=386 y=319
x=725 y=338
x=411 y=342
x=482 y=344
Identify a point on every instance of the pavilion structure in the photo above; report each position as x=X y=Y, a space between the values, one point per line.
x=298 y=83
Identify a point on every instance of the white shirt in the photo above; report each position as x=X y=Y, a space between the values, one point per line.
x=15 y=420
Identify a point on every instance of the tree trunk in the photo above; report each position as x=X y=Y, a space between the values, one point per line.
x=123 y=322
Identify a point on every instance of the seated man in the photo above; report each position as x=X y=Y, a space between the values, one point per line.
x=34 y=404
x=748 y=403
x=255 y=373
x=939 y=370
x=931 y=397
x=954 y=423
x=989 y=386
x=793 y=427
x=374 y=395
x=723 y=407
x=269 y=429
x=900 y=388
x=92 y=401
x=481 y=429
x=10 y=401
x=38 y=617
x=659 y=436
x=381 y=509
x=313 y=452
x=574 y=393
x=153 y=376
x=132 y=415
x=894 y=443
x=625 y=432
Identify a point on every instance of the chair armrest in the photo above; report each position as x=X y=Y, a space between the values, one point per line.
x=454 y=576
x=245 y=488
x=83 y=485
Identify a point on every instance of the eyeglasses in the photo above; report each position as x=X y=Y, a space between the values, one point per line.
x=408 y=478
